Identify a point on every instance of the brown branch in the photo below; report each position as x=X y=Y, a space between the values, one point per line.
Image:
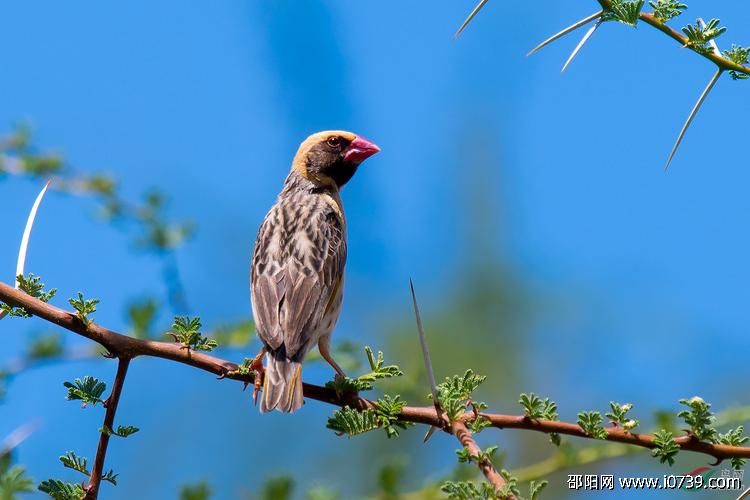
x=715 y=57
x=463 y=434
x=128 y=347
x=92 y=491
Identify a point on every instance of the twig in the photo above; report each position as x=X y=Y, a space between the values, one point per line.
x=129 y=347
x=463 y=434
x=719 y=60
x=92 y=491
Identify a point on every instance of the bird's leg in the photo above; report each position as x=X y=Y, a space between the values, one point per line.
x=324 y=346
x=256 y=365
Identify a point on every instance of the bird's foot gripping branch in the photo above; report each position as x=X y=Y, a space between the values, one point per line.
x=458 y=413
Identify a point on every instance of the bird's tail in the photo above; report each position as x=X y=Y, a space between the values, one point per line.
x=282 y=387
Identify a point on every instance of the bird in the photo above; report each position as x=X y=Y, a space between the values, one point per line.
x=297 y=270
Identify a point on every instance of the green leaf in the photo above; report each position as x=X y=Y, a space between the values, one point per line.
x=388 y=410
x=110 y=477
x=186 y=331
x=665 y=447
x=385 y=415
x=479 y=424
x=699 y=418
x=624 y=12
x=455 y=392
x=738 y=55
x=72 y=461
x=60 y=490
x=390 y=477
x=31 y=285
x=664 y=10
x=734 y=437
x=352 y=422
x=699 y=35
x=14 y=481
x=122 y=431
x=199 y=491
x=278 y=488
x=618 y=416
x=536 y=408
x=466 y=490
x=142 y=315
x=535 y=489
x=510 y=490
x=378 y=371
x=84 y=308
x=591 y=423
x=88 y=390
x=45 y=347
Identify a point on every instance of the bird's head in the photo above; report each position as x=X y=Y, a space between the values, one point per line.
x=332 y=157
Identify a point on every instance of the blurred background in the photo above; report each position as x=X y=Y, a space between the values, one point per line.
x=549 y=249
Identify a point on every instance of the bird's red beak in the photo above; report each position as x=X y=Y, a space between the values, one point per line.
x=359 y=150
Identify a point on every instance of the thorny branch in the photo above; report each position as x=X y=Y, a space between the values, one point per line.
x=463 y=434
x=123 y=346
x=92 y=492
x=715 y=57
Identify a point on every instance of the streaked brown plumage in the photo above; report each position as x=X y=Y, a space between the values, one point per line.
x=298 y=263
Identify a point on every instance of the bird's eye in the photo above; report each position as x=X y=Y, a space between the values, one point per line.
x=334 y=142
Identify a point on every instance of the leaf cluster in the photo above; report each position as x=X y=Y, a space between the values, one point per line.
x=618 y=416
x=454 y=394
x=31 y=285
x=378 y=371
x=699 y=34
x=625 y=12
x=88 y=391
x=591 y=423
x=664 y=10
x=734 y=437
x=60 y=490
x=700 y=418
x=537 y=408
x=84 y=308
x=186 y=331
x=665 y=447
x=13 y=481
x=467 y=490
x=738 y=55
x=385 y=415
x=122 y=431
x=483 y=457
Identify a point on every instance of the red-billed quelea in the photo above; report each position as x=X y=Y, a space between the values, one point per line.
x=298 y=264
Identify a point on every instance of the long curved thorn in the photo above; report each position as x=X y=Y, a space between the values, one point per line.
x=426 y=357
x=567 y=30
x=423 y=343
x=27 y=232
x=471 y=16
x=693 y=112
x=581 y=44
x=23 y=249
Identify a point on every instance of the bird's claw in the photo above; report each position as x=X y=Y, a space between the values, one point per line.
x=259 y=372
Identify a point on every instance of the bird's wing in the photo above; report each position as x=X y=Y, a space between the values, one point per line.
x=292 y=290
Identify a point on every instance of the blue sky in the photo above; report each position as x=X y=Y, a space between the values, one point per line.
x=644 y=273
